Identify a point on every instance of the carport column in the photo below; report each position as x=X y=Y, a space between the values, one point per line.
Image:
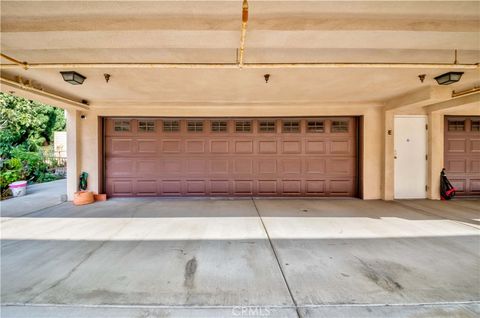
x=435 y=153
x=388 y=156
x=73 y=151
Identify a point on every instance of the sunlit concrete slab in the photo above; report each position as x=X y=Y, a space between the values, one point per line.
x=372 y=252
x=141 y=252
x=212 y=258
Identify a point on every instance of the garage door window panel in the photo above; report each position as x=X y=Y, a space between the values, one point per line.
x=456 y=125
x=219 y=126
x=146 y=126
x=121 y=125
x=171 y=126
x=340 y=126
x=291 y=126
x=475 y=125
x=316 y=126
x=194 y=126
x=243 y=126
x=267 y=126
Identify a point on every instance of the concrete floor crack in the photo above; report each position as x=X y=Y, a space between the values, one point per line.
x=297 y=309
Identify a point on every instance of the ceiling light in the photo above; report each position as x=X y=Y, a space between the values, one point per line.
x=448 y=78
x=73 y=77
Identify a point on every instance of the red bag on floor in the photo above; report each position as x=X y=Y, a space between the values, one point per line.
x=447 y=191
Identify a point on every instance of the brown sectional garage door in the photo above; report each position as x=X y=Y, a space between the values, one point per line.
x=231 y=157
x=462 y=154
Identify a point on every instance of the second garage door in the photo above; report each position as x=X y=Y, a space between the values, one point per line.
x=462 y=154
x=231 y=157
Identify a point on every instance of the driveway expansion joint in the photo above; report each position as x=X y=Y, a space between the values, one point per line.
x=278 y=260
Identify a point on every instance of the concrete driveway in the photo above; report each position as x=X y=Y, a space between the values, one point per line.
x=243 y=258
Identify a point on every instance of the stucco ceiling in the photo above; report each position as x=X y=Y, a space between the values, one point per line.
x=209 y=32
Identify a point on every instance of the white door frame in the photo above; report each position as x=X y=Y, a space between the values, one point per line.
x=411 y=184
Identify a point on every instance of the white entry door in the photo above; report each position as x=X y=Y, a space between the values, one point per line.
x=410 y=157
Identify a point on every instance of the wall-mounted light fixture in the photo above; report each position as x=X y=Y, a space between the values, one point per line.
x=267 y=77
x=448 y=78
x=73 y=77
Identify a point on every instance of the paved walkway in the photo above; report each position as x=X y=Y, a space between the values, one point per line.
x=39 y=196
x=243 y=258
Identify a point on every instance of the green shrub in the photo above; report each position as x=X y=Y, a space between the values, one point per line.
x=24 y=165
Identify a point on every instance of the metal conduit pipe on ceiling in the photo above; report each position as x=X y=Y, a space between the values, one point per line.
x=240 y=62
x=26 y=65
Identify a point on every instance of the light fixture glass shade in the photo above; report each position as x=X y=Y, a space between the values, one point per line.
x=448 y=78
x=73 y=77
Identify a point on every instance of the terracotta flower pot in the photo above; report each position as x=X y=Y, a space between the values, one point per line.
x=83 y=197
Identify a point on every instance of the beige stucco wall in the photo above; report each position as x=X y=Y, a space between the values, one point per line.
x=88 y=132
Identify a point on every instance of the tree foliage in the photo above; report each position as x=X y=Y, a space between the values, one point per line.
x=27 y=124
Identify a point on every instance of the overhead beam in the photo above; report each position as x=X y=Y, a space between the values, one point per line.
x=13 y=87
x=455 y=102
x=419 y=98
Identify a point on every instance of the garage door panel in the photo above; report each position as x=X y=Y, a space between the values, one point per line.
x=172 y=187
x=456 y=145
x=291 y=146
x=171 y=146
x=121 y=167
x=146 y=146
x=171 y=166
x=341 y=147
x=219 y=146
x=267 y=166
x=456 y=165
x=146 y=188
x=121 y=187
x=146 y=168
x=475 y=186
x=267 y=146
x=288 y=159
x=220 y=187
x=196 y=187
x=243 y=166
x=120 y=146
x=267 y=187
x=340 y=166
x=291 y=166
x=316 y=146
x=292 y=187
x=243 y=146
x=315 y=165
x=341 y=187
x=315 y=187
x=219 y=166
x=243 y=187
x=475 y=166
x=462 y=154
x=196 y=166
x=194 y=146
x=475 y=145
